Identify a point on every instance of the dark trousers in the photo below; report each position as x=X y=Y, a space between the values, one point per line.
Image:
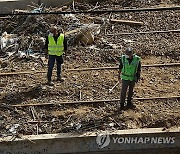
x=125 y=85
x=51 y=62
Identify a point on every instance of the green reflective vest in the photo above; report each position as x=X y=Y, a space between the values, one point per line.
x=56 y=48
x=129 y=70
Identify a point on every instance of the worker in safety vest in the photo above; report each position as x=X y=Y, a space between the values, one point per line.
x=129 y=73
x=55 y=47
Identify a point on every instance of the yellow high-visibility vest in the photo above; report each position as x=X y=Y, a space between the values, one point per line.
x=56 y=48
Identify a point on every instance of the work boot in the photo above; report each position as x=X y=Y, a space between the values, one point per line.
x=122 y=106
x=60 y=79
x=50 y=83
x=130 y=105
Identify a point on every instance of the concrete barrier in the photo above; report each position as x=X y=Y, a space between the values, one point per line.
x=112 y=142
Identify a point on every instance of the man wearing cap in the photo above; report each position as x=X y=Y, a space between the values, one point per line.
x=129 y=73
x=55 y=47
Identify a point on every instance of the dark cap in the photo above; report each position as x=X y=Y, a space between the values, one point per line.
x=129 y=49
x=52 y=28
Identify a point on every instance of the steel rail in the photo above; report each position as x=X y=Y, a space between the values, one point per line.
x=88 y=69
x=98 y=11
x=148 y=32
x=94 y=101
x=116 y=67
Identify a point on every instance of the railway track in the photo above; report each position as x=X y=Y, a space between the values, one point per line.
x=99 y=11
x=88 y=69
x=94 y=101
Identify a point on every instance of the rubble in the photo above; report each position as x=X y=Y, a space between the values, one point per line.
x=89 y=45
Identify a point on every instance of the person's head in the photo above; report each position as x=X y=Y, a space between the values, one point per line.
x=53 y=30
x=129 y=52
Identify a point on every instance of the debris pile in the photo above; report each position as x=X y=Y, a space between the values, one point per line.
x=94 y=40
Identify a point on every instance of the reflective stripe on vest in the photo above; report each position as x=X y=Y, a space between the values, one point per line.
x=56 y=48
x=129 y=70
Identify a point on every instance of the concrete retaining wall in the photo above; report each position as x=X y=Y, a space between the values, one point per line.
x=87 y=143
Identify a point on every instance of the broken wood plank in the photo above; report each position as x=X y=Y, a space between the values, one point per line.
x=80 y=30
x=129 y=22
x=61 y=8
x=126 y=22
x=5 y=17
x=116 y=67
x=73 y=31
x=94 y=101
x=21 y=11
x=93 y=69
x=148 y=32
x=34 y=122
x=111 y=89
x=32 y=111
x=19 y=73
x=160 y=65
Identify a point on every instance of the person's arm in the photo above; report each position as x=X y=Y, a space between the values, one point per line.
x=65 y=46
x=138 y=74
x=46 y=47
x=120 y=68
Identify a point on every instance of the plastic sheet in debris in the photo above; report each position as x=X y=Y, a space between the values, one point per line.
x=27 y=54
x=14 y=128
x=7 y=39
